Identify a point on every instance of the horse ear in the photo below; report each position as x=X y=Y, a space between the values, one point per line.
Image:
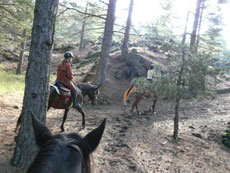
x=41 y=132
x=93 y=138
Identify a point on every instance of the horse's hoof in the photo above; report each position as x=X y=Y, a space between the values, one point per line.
x=62 y=129
x=83 y=126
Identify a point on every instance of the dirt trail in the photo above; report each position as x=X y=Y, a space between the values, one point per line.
x=143 y=143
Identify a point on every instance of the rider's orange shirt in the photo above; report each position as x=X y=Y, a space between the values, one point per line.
x=64 y=73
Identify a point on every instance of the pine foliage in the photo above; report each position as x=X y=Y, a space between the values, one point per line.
x=16 y=16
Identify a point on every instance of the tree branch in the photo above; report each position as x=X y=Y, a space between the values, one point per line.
x=6 y=4
x=139 y=35
x=87 y=30
x=89 y=14
x=103 y=2
x=62 y=12
x=92 y=5
x=10 y=12
x=10 y=30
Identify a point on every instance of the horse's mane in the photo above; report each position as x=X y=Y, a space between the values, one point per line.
x=62 y=146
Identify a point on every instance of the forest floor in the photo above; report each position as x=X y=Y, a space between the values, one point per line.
x=137 y=143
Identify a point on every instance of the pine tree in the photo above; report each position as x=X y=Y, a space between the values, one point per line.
x=37 y=79
x=106 y=43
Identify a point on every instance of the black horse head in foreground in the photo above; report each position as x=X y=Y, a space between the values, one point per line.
x=65 y=152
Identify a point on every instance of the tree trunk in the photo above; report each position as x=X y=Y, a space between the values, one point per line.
x=178 y=96
x=195 y=25
x=176 y=119
x=21 y=58
x=106 y=43
x=83 y=28
x=124 y=48
x=37 y=80
x=200 y=21
x=185 y=28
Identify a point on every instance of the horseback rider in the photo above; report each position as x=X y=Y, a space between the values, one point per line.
x=65 y=76
x=150 y=73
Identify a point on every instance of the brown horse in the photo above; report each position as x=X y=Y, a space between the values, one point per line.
x=58 y=102
x=139 y=96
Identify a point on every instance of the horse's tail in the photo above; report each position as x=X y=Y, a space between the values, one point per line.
x=127 y=93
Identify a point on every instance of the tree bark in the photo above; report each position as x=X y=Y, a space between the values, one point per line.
x=199 y=26
x=83 y=28
x=195 y=25
x=124 y=48
x=21 y=58
x=106 y=43
x=176 y=120
x=185 y=28
x=178 y=96
x=37 y=80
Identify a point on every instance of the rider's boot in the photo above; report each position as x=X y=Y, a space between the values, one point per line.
x=75 y=104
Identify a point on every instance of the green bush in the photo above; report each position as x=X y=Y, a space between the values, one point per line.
x=162 y=85
x=193 y=83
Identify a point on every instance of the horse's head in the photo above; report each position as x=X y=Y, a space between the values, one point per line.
x=93 y=93
x=64 y=152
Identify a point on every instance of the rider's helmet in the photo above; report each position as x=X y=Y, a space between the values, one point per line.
x=151 y=66
x=68 y=55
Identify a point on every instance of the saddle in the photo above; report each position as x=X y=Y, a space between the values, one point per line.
x=62 y=90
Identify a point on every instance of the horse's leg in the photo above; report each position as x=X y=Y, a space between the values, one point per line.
x=83 y=116
x=137 y=101
x=135 y=104
x=154 y=103
x=64 y=118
